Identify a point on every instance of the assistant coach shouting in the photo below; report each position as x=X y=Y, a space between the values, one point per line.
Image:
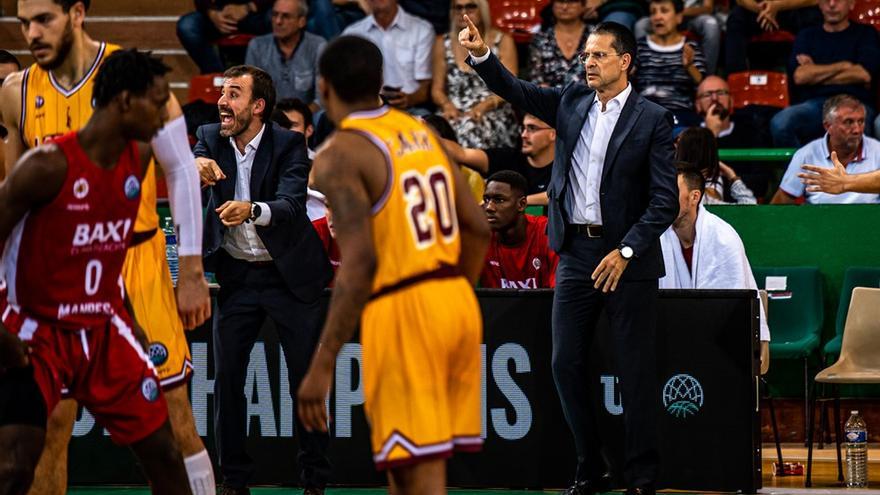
x=268 y=259
x=612 y=194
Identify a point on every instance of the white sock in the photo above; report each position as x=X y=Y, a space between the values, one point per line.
x=201 y=474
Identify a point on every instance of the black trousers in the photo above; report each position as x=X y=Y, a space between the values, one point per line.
x=248 y=294
x=631 y=311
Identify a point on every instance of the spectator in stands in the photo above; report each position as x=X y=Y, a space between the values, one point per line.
x=714 y=104
x=406 y=42
x=702 y=251
x=300 y=116
x=324 y=228
x=327 y=18
x=8 y=65
x=533 y=160
x=668 y=66
x=553 y=53
x=519 y=255
x=837 y=57
x=749 y=18
x=289 y=54
x=214 y=19
x=697 y=147
x=844 y=141
x=698 y=18
x=480 y=118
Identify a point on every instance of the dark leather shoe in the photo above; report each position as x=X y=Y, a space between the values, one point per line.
x=640 y=491
x=230 y=490
x=313 y=491
x=590 y=487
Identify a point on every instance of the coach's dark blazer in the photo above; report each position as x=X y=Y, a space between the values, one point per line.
x=638 y=193
x=279 y=178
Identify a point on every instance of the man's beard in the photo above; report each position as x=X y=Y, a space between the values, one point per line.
x=240 y=122
x=64 y=48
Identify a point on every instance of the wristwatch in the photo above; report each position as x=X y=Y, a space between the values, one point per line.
x=256 y=211
x=625 y=251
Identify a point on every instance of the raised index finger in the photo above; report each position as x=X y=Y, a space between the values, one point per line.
x=470 y=23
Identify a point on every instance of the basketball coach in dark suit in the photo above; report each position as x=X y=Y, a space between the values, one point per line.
x=612 y=194
x=267 y=258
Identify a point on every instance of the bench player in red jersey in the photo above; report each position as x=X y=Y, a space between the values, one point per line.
x=519 y=254
x=67 y=213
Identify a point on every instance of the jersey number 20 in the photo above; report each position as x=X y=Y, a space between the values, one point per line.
x=429 y=197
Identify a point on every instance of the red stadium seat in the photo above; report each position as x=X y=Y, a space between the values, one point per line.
x=235 y=40
x=520 y=18
x=758 y=88
x=866 y=12
x=205 y=87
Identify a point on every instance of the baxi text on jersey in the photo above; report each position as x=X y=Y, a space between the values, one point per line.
x=100 y=236
x=85 y=308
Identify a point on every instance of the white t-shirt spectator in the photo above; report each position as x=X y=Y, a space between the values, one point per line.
x=817 y=153
x=406 y=48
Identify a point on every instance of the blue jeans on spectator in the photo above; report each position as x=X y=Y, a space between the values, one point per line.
x=799 y=124
x=197 y=34
x=628 y=19
x=328 y=21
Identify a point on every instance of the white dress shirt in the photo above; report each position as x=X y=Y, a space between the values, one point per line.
x=407 y=45
x=242 y=241
x=588 y=160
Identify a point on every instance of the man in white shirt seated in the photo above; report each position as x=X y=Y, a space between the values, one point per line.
x=406 y=42
x=702 y=251
x=845 y=141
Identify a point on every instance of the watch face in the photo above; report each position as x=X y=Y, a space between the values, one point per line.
x=626 y=252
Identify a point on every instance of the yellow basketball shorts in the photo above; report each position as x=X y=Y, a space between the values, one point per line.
x=421 y=364
x=151 y=292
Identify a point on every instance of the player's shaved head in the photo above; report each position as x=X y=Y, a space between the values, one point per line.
x=352 y=66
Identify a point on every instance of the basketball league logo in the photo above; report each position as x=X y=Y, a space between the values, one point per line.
x=132 y=187
x=80 y=188
x=39 y=101
x=682 y=396
x=158 y=353
x=150 y=389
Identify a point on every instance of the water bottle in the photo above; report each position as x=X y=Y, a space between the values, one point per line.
x=171 y=247
x=856 y=436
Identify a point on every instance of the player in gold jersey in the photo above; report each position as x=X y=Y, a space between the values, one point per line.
x=413 y=241
x=54 y=96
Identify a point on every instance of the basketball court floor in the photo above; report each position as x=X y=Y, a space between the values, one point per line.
x=824 y=479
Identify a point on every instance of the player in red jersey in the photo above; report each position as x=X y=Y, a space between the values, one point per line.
x=67 y=213
x=519 y=255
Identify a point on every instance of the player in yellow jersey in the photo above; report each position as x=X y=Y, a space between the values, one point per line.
x=54 y=96
x=413 y=241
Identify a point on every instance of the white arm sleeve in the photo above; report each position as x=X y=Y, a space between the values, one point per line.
x=171 y=149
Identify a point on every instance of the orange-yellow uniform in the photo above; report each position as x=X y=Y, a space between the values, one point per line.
x=422 y=329
x=48 y=110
